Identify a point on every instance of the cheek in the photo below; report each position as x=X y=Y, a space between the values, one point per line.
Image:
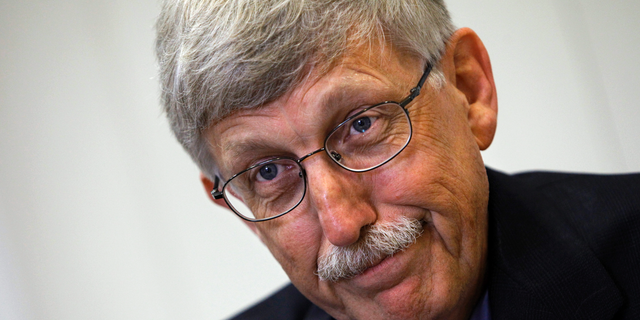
x=441 y=124
x=294 y=241
x=440 y=171
x=442 y=159
x=417 y=177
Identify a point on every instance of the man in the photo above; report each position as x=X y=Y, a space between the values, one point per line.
x=347 y=134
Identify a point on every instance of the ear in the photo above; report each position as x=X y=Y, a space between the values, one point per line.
x=208 y=187
x=472 y=76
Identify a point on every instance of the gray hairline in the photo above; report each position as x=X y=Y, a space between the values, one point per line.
x=185 y=41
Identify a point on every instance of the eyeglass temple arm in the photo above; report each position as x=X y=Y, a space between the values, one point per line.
x=416 y=90
x=215 y=193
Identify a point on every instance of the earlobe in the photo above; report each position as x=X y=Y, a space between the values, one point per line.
x=474 y=79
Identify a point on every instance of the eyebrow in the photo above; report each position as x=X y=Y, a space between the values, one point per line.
x=244 y=146
x=350 y=92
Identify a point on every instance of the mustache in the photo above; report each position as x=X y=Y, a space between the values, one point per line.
x=378 y=242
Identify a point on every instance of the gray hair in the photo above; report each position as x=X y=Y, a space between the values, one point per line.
x=220 y=56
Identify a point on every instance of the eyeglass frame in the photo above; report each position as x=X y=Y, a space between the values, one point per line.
x=413 y=93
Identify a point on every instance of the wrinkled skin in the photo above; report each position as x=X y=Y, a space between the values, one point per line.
x=439 y=179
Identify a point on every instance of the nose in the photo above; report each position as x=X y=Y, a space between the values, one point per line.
x=340 y=199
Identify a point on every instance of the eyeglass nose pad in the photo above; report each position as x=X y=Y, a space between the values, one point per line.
x=336 y=156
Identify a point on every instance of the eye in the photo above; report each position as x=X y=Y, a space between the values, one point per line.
x=268 y=172
x=361 y=124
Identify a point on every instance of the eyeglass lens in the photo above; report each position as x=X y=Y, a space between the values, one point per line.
x=268 y=190
x=363 y=142
x=370 y=137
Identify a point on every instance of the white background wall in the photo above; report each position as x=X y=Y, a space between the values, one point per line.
x=101 y=212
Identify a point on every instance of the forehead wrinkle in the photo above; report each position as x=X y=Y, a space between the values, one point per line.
x=309 y=111
x=362 y=85
x=235 y=139
x=312 y=105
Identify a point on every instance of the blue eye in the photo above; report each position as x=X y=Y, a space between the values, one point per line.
x=269 y=171
x=362 y=124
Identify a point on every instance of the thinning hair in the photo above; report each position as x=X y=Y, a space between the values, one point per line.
x=220 y=56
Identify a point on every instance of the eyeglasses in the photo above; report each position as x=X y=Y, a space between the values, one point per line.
x=363 y=142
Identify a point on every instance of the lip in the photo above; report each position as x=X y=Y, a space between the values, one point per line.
x=379 y=265
x=385 y=274
x=389 y=271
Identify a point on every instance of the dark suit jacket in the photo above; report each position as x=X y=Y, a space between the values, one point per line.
x=561 y=246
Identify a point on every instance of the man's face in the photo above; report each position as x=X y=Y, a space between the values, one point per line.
x=439 y=180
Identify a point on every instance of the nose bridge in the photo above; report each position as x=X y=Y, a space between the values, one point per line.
x=309 y=155
x=341 y=204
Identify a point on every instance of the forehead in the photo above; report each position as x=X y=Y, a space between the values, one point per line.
x=297 y=122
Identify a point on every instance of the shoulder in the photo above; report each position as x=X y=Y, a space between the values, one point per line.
x=604 y=210
x=286 y=304
x=609 y=186
x=603 y=184
x=560 y=235
x=598 y=207
x=590 y=194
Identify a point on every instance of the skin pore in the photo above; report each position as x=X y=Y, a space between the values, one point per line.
x=439 y=179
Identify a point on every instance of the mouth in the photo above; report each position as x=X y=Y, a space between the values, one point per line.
x=386 y=274
x=375 y=266
x=378 y=246
x=380 y=262
x=371 y=267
